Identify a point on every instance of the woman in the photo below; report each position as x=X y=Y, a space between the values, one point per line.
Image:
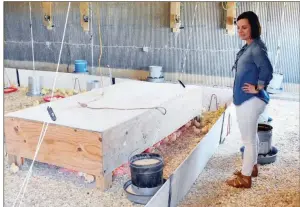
x=253 y=74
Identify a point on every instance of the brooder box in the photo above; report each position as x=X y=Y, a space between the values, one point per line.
x=97 y=141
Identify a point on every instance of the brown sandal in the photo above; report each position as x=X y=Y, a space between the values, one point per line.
x=240 y=181
x=254 y=172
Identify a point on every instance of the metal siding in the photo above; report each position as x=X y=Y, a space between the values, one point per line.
x=202 y=47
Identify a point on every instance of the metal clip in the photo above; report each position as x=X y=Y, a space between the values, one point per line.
x=47 y=18
x=51 y=113
x=216 y=98
x=181 y=83
x=85 y=18
x=77 y=80
x=228 y=126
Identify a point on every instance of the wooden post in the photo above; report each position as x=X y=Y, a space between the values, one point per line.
x=174 y=16
x=230 y=17
x=19 y=161
x=84 y=16
x=47 y=14
x=104 y=182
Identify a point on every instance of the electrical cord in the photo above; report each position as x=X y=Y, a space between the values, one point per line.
x=159 y=108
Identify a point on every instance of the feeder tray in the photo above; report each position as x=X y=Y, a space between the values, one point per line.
x=10 y=89
x=139 y=195
x=145 y=191
x=48 y=98
x=264 y=159
x=140 y=199
x=156 y=80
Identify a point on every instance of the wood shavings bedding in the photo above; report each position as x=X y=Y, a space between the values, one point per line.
x=175 y=152
x=19 y=100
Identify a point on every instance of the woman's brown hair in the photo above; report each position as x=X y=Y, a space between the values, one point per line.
x=253 y=21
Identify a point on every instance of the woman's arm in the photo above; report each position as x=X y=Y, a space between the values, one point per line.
x=262 y=62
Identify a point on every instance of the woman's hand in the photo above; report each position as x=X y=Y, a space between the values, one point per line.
x=249 y=88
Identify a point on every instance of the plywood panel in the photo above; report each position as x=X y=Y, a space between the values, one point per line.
x=131 y=94
x=186 y=174
x=161 y=198
x=140 y=132
x=67 y=147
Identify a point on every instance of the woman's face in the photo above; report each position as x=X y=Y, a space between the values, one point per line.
x=244 y=29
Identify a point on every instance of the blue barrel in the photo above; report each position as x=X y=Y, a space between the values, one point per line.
x=80 y=66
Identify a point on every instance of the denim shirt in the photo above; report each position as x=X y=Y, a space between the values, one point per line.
x=252 y=66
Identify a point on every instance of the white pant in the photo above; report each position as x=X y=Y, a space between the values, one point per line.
x=247 y=116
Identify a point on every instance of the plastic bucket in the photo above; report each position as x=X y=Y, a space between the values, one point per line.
x=155 y=71
x=264 y=117
x=80 y=66
x=275 y=85
x=264 y=132
x=92 y=84
x=35 y=84
x=146 y=170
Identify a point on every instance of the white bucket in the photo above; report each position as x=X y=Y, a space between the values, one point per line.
x=155 y=71
x=264 y=117
x=92 y=84
x=275 y=85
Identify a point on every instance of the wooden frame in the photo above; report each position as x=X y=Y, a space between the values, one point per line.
x=66 y=147
x=98 y=146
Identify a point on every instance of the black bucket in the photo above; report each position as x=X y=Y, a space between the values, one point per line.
x=147 y=170
x=264 y=127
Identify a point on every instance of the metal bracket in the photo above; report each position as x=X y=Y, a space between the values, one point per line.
x=77 y=80
x=216 y=98
x=228 y=125
x=84 y=14
x=47 y=18
x=85 y=18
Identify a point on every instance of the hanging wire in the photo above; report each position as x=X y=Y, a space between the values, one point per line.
x=189 y=39
x=92 y=39
x=281 y=35
x=44 y=127
x=32 y=46
x=100 y=43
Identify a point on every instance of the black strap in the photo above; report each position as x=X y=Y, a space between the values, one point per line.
x=181 y=83
x=51 y=113
x=18 y=78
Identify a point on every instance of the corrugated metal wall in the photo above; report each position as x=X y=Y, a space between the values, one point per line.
x=202 y=47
